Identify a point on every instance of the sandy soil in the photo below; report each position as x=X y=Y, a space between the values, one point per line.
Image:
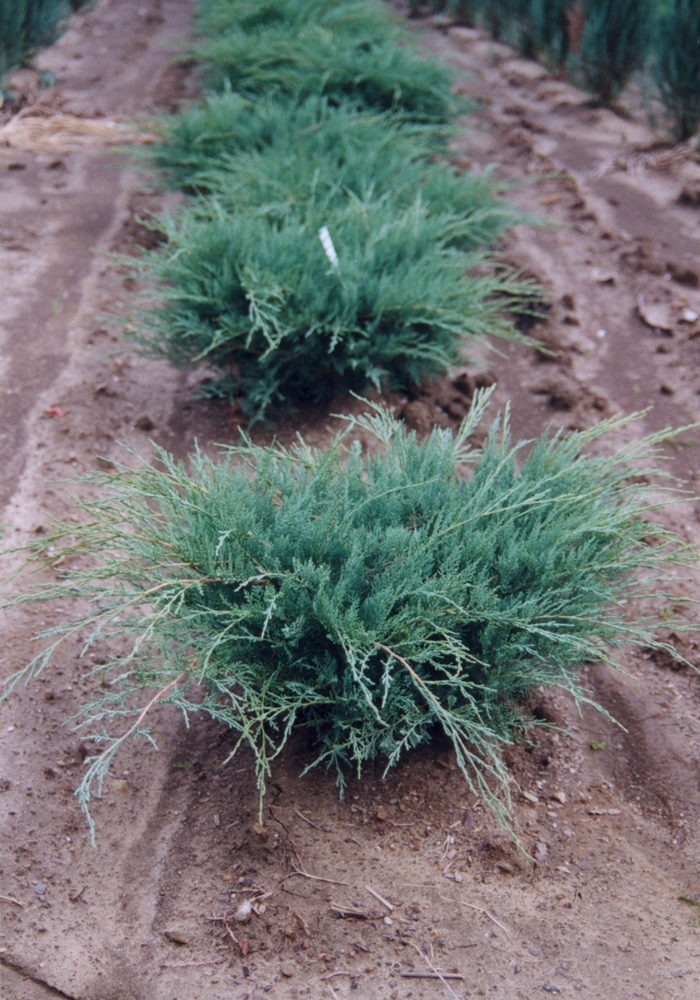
x=614 y=830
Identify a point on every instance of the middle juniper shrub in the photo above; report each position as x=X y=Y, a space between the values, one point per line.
x=372 y=599
x=311 y=168
x=253 y=293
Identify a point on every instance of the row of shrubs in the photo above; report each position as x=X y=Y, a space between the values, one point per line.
x=371 y=598
x=27 y=24
x=320 y=117
x=600 y=43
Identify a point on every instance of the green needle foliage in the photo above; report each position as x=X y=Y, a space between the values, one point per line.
x=27 y=24
x=343 y=49
x=244 y=283
x=303 y=167
x=225 y=127
x=372 y=599
x=252 y=292
x=678 y=68
x=550 y=30
x=614 y=43
x=600 y=42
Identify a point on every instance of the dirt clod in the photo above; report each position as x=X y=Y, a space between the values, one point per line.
x=176 y=936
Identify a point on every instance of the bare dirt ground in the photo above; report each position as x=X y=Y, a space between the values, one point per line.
x=609 y=815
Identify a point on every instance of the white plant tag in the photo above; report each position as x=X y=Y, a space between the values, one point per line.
x=327 y=244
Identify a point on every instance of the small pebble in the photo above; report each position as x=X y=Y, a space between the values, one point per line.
x=40 y=889
x=176 y=936
x=535 y=951
x=602 y=333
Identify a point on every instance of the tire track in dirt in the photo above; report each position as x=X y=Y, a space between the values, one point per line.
x=58 y=209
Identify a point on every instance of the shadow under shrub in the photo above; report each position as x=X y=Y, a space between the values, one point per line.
x=372 y=598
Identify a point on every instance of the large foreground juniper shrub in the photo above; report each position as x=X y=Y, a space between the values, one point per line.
x=373 y=599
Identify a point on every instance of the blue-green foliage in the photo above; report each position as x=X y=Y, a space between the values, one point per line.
x=549 y=28
x=27 y=24
x=371 y=599
x=344 y=49
x=310 y=158
x=280 y=153
x=678 y=68
x=615 y=42
x=252 y=292
x=228 y=129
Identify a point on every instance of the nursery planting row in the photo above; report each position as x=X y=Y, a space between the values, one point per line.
x=370 y=599
x=600 y=43
x=328 y=245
